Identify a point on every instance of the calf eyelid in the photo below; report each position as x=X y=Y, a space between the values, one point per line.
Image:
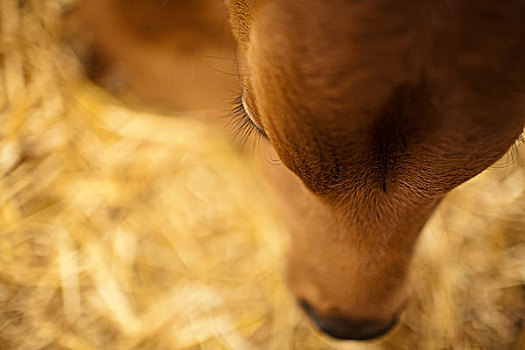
x=250 y=115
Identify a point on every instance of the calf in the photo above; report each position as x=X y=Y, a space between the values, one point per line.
x=379 y=108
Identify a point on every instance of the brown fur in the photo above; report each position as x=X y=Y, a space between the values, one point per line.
x=379 y=108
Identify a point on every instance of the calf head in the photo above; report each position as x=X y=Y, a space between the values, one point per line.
x=378 y=108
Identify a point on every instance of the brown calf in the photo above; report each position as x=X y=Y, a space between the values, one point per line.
x=379 y=108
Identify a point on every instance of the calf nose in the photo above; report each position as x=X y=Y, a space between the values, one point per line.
x=348 y=329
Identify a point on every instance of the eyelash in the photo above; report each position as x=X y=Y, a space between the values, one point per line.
x=243 y=126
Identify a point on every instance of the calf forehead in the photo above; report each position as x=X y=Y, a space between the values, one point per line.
x=319 y=88
x=339 y=84
x=346 y=55
x=320 y=53
x=311 y=84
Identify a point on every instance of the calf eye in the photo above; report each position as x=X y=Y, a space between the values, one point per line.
x=244 y=125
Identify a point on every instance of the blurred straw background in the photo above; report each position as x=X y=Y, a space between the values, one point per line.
x=122 y=229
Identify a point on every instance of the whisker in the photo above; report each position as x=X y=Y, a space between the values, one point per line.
x=221 y=58
x=237 y=74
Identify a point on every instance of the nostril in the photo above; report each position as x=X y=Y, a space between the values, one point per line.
x=314 y=316
x=309 y=310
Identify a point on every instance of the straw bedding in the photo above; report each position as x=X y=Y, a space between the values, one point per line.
x=127 y=230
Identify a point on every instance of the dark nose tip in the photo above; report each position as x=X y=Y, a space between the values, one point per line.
x=348 y=329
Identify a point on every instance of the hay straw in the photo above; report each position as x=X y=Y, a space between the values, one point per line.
x=128 y=230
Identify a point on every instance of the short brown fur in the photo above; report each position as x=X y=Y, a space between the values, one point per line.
x=379 y=108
